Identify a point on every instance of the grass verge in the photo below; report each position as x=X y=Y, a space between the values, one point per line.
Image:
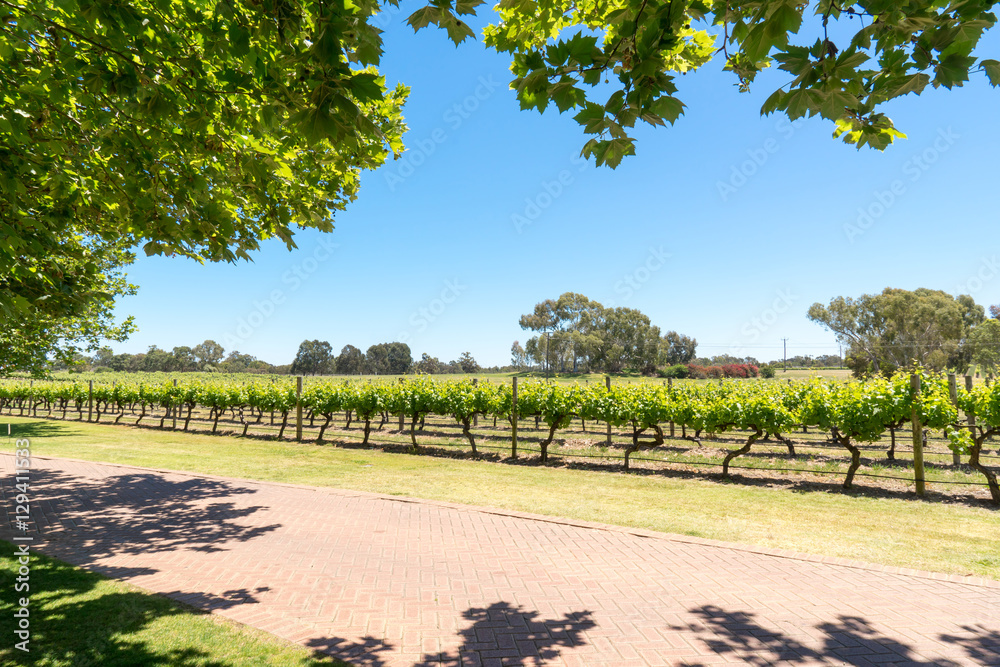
x=80 y=618
x=938 y=535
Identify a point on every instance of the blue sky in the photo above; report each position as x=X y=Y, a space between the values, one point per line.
x=726 y=226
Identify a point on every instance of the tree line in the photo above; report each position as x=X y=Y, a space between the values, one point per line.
x=898 y=328
x=575 y=333
x=316 y=357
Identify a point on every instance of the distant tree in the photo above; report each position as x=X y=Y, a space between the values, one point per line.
x=400 y=358
x=103 y=356
x=898 y=327
x=995 y=311
x=427 y=364
x=377 y=359
x=676 y=349
x=984 y=344
x=534 y=351
x=350 y=361
x=183 y=359
x=313 y=358
x=518 y=357
x=240 y=363
x=628 y=340
x=208 y=353
x=467 y=363
x=119 y=362
x=568 y=325
x=156 y=360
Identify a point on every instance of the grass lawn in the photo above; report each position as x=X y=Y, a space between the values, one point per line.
x=80 y=618
x=939 y=535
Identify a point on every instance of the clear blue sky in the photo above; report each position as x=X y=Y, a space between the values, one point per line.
x=726 y=226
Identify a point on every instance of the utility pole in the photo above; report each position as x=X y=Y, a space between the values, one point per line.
x=784 y=355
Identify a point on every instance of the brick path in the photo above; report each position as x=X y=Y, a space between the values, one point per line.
x=383 y=581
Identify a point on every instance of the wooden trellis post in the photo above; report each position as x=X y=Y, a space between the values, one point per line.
x=607 y=384
x=918 y=439
x=298 y=408
x=513 y=421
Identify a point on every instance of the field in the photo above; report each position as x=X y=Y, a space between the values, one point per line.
x=948 y=534
x=586 y=426
x=562 y=378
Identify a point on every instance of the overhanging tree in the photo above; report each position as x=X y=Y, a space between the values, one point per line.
x=188 y=127
x=199 y=128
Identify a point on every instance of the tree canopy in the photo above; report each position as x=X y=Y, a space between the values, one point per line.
x=897 y=328
x=616 y=63
x=185 y=127
x=315 y=357
x=201 y=127
x=575 y=331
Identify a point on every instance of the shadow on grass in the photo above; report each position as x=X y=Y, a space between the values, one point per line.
x=848 y=640
x=77 y=619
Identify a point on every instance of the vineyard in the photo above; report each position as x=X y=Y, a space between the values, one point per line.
x=858 y=429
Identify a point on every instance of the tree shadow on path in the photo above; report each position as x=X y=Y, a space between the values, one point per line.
x=83 y=520
x=500 y=632
x=849 y=640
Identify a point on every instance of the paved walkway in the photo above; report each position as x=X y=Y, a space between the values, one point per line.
x=383 y=581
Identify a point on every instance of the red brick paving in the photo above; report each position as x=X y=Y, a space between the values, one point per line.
x=386 y=581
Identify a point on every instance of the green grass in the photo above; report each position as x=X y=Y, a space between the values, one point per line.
x=932 y=535
x=80 y=618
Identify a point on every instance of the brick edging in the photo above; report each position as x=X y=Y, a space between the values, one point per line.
x=577 y=523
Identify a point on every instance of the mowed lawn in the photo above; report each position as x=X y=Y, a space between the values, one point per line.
x=80 y=618
x=937 y=535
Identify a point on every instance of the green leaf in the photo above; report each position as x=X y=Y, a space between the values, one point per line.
x=911 y=84
x=774 y=103
x=423 y=17
x=835 y=102
x=992 y=68
x=366 y=87
x=668 y=108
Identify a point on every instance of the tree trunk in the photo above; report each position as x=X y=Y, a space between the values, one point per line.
x=284 y=423
x=187 y=420
x=413 y=435
x=891 y=453
x=855 y=459
x=468 y=434
x=741 y=451
x=322 y=429
x=787 y=442
x=548 y=441
x=368 y=429
x=976 y=464
x=637 y=444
